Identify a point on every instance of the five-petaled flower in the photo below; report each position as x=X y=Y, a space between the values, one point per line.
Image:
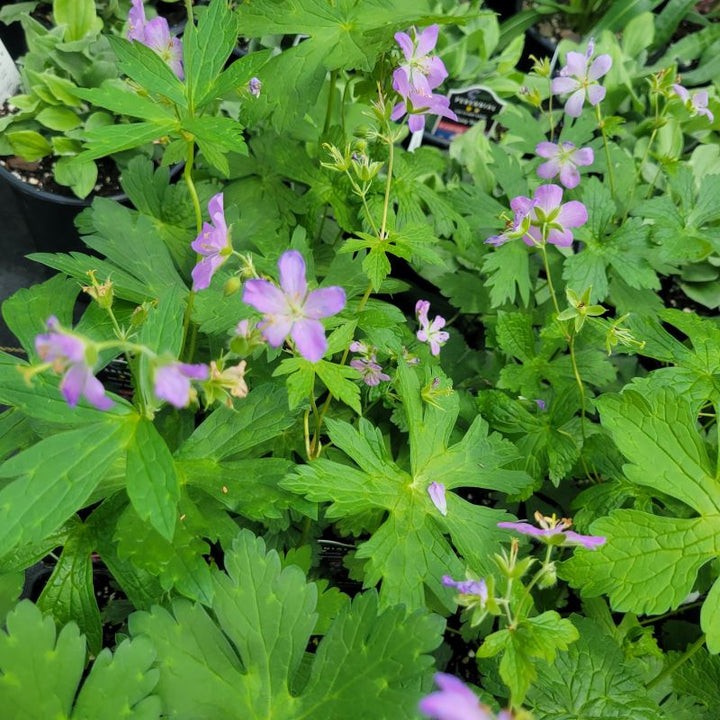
x=563 y=159
x=436 y=491
x=367 y=365
x=213 y=243
x=292 y=310
x=173 y=382
x=430 y=332
x=415 y=80
x=698 y=104
x=73 y=356
x=580 y=78
x=456 y=701
x=550 y=218
x=424 y=72
x=155 y=34
x=554 y=531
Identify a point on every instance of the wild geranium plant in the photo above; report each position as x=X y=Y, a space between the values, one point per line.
x=310 y=444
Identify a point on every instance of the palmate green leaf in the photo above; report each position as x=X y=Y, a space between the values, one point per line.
x=508 y=270
x=649 y=563
x=591 y=681
x=116 y=138
x=178 y=564
x=55 y=477
x=410 y=550
x=695 y=371
x=699 y=677
x=11 y=587
x=117 y=96
x=69 y=594
x=40 y=673
x=533 y=643
x=148 y=69
x=27 y=310
x=230 y=433
x=249 y=662
x=152 y=481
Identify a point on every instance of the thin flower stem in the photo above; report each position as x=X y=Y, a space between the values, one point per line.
x=534 y=581
x=652 y=184
x=315 y=443
x=580 y=384
x=670 y=669
x=551 y=287
x=601 y=125
x=187 y=174
x=677 y=610
x=330 y=102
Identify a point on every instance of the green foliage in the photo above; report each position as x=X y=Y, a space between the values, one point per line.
x=650 y=562
x=252 y=660
x=409 y=549
x=40 y=673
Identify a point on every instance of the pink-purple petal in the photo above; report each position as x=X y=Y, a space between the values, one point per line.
x=572 y=214
x=589 y=541
x=436 y=72
x=324 y=302
x=600 y=66
x=416 y=123
x=561 y=238
x=549 y=169
x=569 y=176
x=406 y=44
x=523 y=528
x=595 y=94
x=575 y=64
x=574 y=104
x=681 y=92
x=546 y=149
x=265 y=297
x=427 y=40
x=275 y=328
x=292 y=275
x=436 y=491
x=584 y=156
x=94 y=391
x=548 y=197
x=309 y=338
x=398 y=111
x=561 y=85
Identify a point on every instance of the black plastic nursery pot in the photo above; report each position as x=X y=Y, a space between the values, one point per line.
x=50 y=217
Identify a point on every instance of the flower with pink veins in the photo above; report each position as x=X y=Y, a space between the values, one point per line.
x=292 y=310
x=213 y=243
x=551 y=218
x=554 y=531
x=68 y=353
x=698 y=104
x=579 y=78
x=563 y=159
x=424 y=72
x=155 y=34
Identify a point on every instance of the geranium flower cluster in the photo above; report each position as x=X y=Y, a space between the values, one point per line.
x=367 y=365
x=417 y=77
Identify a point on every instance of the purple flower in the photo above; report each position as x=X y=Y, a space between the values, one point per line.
x=579 y=78
x=520 y=224
x=436 y=491
x=550 y=219
x=554 y=531
x=155 y=34
x=370 y=370
x=540 y=403
x=213 y=242
x=454 y=701
x=563 y=159
x=254 y=86
x=422 y=71
x=68 y=353
x=698 y=105
x=418 y=103
x=173 y=382
x=430 y=332
x=478 y=588
x=292 y=310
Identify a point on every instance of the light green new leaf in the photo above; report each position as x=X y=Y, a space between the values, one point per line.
x=410 y=550
x=533 y=643
x=152 y=481
x=250 y=663
x=69 y=594
x=40 y=673
x=591 y=681
x=79 y=18
x=649 y=563
x=54 y=478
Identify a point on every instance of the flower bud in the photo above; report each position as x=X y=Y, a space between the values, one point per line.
x=102 y=293
x=232 y=285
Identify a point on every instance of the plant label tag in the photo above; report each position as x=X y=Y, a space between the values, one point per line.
x=470 y=104
x=9 y=75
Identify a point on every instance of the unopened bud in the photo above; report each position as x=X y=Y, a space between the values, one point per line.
x=232 y=285
x=102 y=293
x=254 y=87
